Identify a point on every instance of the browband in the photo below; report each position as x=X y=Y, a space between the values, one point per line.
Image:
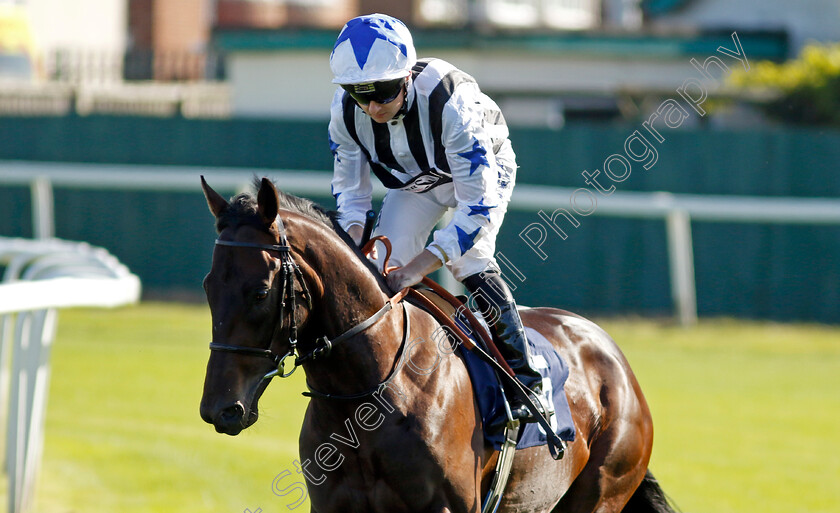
x=267 y=247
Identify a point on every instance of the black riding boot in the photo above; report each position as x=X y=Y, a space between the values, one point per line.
x=493 y=298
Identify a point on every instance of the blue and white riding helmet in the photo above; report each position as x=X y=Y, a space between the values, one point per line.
x=372 y=48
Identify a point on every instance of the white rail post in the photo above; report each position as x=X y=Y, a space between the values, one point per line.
x=39 y=278
x=43 y=220
x=681 y=266
x=27 y=407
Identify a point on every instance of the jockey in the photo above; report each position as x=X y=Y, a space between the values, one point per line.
x=437 y=143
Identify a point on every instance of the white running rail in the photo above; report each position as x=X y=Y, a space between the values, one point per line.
x=678 y=211
x=39 y=277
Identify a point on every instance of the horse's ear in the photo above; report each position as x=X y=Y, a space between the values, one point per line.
x=215 y=201
x=268 y=202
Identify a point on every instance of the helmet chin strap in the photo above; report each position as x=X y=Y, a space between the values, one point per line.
x=404 y=109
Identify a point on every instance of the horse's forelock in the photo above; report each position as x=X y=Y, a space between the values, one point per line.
x=244 y=210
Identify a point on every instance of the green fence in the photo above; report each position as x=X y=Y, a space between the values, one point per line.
x=605 y=266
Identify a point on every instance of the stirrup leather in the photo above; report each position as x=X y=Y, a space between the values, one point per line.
x=503 y=467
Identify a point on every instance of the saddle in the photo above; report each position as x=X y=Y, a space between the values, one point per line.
x=490 y=389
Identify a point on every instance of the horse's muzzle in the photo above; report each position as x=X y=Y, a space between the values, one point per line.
x=230 y=420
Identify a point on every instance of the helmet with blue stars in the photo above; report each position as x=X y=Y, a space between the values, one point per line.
x=372 y=48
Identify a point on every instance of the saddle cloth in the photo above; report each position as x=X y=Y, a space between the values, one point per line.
x=488 y=389
x=488 y=393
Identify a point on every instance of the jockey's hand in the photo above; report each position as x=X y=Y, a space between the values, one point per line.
x=355 y=232
x=414 y=271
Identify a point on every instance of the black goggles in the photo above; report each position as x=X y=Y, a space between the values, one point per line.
x=379 y=92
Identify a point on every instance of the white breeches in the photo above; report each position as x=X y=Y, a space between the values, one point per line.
x=407 y=219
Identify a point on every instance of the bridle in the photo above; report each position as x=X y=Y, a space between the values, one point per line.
x=290 y=273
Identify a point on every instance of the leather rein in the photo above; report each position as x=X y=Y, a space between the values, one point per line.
x=291 y=273
x=323 y=345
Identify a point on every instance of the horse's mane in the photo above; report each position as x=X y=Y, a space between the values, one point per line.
x=243 y=211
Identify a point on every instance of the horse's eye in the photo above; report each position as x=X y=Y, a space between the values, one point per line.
x=261 y=294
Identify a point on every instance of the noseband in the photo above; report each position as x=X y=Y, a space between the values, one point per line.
x=290 y=272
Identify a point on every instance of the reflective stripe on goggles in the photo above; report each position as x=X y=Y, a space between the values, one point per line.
x=379 y=92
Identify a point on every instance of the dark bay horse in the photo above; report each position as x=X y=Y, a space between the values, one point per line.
x=392 y=425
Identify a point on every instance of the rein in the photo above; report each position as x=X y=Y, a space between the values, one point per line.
x=556 y=446
x=396 y=367
x=323 y=345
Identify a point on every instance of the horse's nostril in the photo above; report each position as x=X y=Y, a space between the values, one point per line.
x=232 y=414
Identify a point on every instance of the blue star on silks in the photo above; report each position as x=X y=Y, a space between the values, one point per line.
x=361 y=38
x=466 y=240
x=480 y=209
x=477 y=157
x=334 y=148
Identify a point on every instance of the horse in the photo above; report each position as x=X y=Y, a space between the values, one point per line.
x=392 y=424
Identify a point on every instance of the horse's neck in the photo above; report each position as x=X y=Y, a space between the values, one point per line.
x=350 y=295
x=344 y=284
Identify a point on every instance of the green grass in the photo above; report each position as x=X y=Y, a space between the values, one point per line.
x=123 y=430
x=747 y=417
